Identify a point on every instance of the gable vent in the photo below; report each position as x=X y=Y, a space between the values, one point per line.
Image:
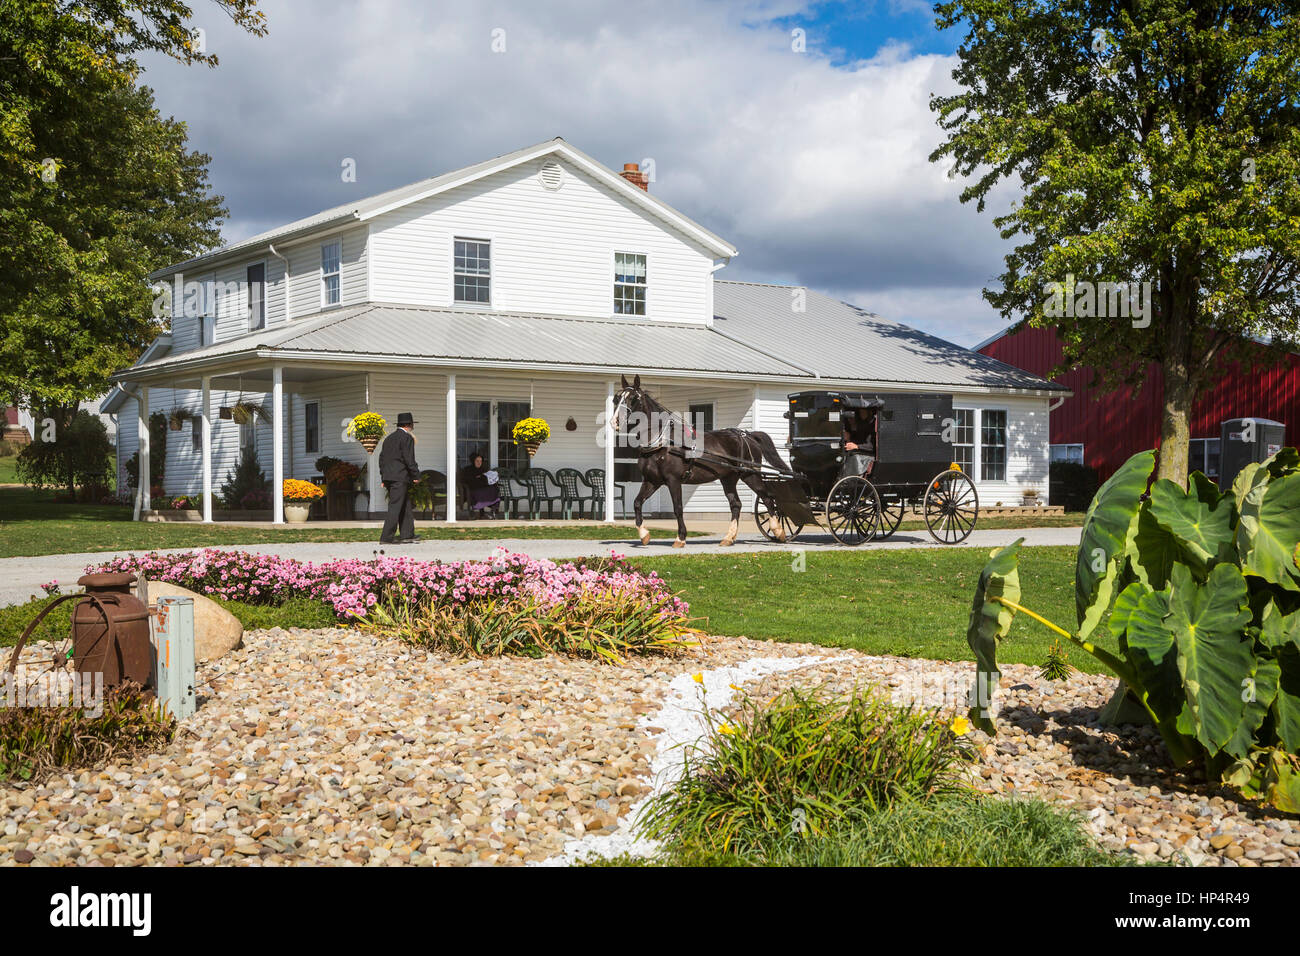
x=551 y=175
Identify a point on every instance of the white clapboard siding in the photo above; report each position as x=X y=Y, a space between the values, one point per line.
x=339 y=399
x=552 y=251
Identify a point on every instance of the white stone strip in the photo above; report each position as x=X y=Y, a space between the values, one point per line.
x=682 y=720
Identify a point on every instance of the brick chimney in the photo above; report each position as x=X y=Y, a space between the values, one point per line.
x=632 y=173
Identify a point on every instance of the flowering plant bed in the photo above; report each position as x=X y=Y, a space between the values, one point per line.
x=578 y=598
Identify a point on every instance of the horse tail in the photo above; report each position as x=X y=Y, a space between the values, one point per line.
x=768 y=448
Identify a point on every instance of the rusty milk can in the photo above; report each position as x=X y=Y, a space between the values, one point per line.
x=110 y=631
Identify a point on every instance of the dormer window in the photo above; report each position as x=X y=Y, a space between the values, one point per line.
x=472 y=270
x=330 y=258
x=629 y=283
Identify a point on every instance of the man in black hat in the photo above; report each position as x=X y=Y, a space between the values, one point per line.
x=399 y=471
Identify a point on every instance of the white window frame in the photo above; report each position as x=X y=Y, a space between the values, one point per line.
x=974 y=446
x=614 y=284
x=977 y=450
x=488 y=241
x=320 y=419
x=248 y=308
x=325 y=276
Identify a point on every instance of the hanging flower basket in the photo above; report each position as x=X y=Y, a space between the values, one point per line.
x=531 y=433
x=367 y=428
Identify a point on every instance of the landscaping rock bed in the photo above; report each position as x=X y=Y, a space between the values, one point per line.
x=331 y=746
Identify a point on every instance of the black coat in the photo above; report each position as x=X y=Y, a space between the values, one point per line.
x=397 y=457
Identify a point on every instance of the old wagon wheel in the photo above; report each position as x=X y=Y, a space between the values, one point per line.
x=853 y=510
x=54 y=660
x=891 y=516
x=764 y=519
x=951 y=507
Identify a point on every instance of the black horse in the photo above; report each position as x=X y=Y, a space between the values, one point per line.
x=672 y=455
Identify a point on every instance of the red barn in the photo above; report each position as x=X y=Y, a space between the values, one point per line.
x=1104 y=429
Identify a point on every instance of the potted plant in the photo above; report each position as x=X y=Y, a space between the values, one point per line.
x=1029 y=497
x=367 y=428
x=177 y=418
x=298 y=497
x=531 y=432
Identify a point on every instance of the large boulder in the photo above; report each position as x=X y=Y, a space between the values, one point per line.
x=217 y=632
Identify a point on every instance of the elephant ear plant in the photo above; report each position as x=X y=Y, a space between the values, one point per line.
x=1202 y=589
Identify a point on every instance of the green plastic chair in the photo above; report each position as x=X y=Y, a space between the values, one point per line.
x=596 y=478
x=510 y=501
x=538 y=480
x=572 y=486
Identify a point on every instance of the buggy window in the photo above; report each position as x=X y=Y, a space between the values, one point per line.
x=812 y=419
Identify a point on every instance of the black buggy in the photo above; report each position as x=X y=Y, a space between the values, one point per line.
x=900 y=461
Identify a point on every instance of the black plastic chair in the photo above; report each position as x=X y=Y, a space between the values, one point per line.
x=510 y=501
x=572 y=486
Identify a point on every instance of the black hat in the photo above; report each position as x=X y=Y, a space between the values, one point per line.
x=405 y=419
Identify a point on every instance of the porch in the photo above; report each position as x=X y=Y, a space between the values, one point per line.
x=459 y=411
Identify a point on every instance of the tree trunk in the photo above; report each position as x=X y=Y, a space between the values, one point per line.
x=1176 y=411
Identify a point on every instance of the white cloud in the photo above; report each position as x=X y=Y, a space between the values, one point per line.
x=819 y=173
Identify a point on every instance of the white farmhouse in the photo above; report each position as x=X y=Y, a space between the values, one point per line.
x=524 y=285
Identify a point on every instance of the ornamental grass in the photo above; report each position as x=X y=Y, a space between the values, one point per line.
x=800 y=764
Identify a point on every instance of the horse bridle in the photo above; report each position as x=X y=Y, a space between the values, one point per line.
x=645 y=399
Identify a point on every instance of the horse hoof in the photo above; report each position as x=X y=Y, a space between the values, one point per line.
x=679 y=543
x=727 y=542
x=644 y=535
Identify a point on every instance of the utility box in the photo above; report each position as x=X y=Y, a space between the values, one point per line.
x=173 y=640
x=1244 y=440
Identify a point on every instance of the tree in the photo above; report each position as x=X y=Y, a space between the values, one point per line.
x=78 y=456
x=1157 y=148
x=245 y=479
x=100 y=190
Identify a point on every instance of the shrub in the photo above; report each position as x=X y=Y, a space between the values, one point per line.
x=35 y=741
x=1202 y=589
x=1071 y=484
x=157 y=456
x=15 y=617
x=599 y=624
x=801 y=763
x=244 y=479
x=76 y=458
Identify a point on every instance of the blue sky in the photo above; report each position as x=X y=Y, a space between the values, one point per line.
x=814 y=163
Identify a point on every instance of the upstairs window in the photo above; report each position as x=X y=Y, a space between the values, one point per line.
x=473 y=271
x=330 y=259
x=629 y=283
x=256 y=276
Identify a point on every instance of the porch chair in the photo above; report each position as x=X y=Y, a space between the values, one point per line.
x=510 y=500
x=596 y=478
x=572 y=485
x=537 y=480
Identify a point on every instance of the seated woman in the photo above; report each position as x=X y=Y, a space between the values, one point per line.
x=859 y=442
x=480 y=487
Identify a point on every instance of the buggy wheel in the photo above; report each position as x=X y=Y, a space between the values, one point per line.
x=951 y=507
x=891 y=516
x=766 y=521
x=853 y=510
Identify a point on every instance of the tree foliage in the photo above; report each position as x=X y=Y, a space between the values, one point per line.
x=99 y=189
x=1153 y=141
x=80 y=455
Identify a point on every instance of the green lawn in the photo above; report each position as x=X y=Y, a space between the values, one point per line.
x=906 y=603
x=9 y=470
x=31 y=524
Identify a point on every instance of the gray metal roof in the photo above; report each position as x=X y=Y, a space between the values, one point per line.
x=361 y=208
x=835 y=340
x=494 y=338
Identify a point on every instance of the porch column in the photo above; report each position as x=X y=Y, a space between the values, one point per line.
x=207 y=448
x=277 y=443
x=609 y=450
x=451 y=446
x=142 y=431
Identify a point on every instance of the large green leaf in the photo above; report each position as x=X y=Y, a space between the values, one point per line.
x=1269 y=531
x=989 y=623
x=1152 y=552
x=1139 y=622
x=1215 y=658
x=1258 y=695
x=1200 y=518
x=1286 y=706
x=1107 y=533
